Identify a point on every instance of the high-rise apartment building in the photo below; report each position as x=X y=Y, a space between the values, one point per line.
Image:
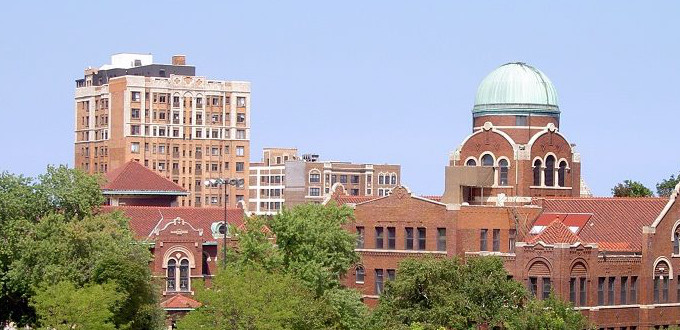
x=186 y=127
x=283 y=178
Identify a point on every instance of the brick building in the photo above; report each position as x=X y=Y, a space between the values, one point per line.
x=513 y=189
x=185 y=127
x=284 y=178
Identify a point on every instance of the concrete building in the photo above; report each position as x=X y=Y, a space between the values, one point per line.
x=284 y=178
x=185 y=127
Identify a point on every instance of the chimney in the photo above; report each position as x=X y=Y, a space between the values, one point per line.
x=179 y=60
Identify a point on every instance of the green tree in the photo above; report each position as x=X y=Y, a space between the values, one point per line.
x=551 y=313
x=314 y=245
x=345 y=309
x=63 y=306
x=631 y=188
x=666 y=186
x=70 y=191
x=253 y=298
x=256 y=247
x=443 y=292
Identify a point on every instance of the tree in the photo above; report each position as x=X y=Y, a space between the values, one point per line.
x=256 y=247
x=666 y=186
x=314 y=245
x=551 y=313
x=70 y=191
x=631 y=188
x=63 y=306
x=253 y=298
x=345 y=309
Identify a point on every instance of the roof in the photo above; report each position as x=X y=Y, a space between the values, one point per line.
x=615 y=224
x=347 y=199
x=574 y=222
x=556 y=232
x=180 y=302
x=135 y=178
x=432 y=198
x=517 y=88
x=144 y=219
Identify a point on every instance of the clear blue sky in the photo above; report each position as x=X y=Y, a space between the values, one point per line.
x=364 y=81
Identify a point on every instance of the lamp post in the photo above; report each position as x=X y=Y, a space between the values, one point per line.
x=224 y=183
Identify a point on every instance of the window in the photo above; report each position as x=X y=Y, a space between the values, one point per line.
x=391 y=274
x=624 y=290
x=354 y=192
x=487 y=160
x=533 y=286
x=215 y=151
x=394 y=179
x=360 y=274
x=610 y=291
x=199 y=102
x=537 y=172
x=172 y=264
x=676 y=242
x=656 y=290
x=343 y=178
x=391 y=238
x=521 y=121
x=381 y=179
x=561 y=171
x=134 y=130
x=600 y=291
x=512 y=238
x=184 y=275
x=240 y=134
x=550 y=171
x=361 y=235
x=379 y=237
x=503 y=176
x=471 y=162
x=441 y=239
x=175 y=101
x=583 y=294
x=633 y=289
x=239 y=166
x=409 y=238
x=134 y=147
x=314 y=177
x=482 y=239
x=240 y=101
x=378 y=281
x=240 y=150
x=314 y=191
x=572 y=290
x=355 y=179
x=240 y=117
x=421 y=238
x=546 y=288
x=134 y=113
x=496 y=240
x=135 y=96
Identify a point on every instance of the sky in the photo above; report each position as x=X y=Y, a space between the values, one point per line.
x=364 y=81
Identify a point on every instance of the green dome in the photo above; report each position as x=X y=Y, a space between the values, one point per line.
x=516 y=88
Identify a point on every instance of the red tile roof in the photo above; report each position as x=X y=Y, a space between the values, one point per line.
x=347 y=199
x=556 y=232
x=433 y=198
x=143 y=219
x=133 y=176
x=616 y=223
x=180 y=302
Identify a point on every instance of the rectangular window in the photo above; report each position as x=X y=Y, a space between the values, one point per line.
x=391 y=274
x=361 y=234
x=343 y=178
x=664 y=287
x=656 y=290
x=134 y=130
x=239 y=167
x=610 y=291
x=533 y=286
x=409 y=238
x=633 y=290
x=314 y=191
x=240 y=101
x=135 y=96
x=314 y=177
x=496 y=240
x=355 y=179
x=512 y=238
x=482 y=240
x=624 y=290
x=134 y=147
x=240 y=134
x=240 y=117
x=391 y=238
x=378 y=281
x=421 y=238
x=379 y=237
x=600 y=291
x=582 y=295
x=240 y=150
x=572 y=290
x=134 y=113
x=546 y=287
x=441 y=239
x=677 y=297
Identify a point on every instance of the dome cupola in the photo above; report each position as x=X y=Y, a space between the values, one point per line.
x=516 y=89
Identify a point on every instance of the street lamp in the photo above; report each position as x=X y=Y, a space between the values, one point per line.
x=224 y=183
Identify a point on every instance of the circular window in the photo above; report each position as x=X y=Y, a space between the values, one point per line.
x=223 y=229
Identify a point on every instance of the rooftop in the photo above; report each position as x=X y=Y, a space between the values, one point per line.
x=135 y=178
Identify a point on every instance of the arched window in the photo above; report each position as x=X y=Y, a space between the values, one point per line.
x=561 y=171
x=314 y=177
x=487 y=160
x=539 y=282
x=503 y=177
x=550 y=171
x=172 y=265
x=381 y=179
x=205 y=266
x=578 y=285
x=184 y=275
x=662 y=273
x=471 y=162
x=676 y=242
x=394 y=179
x=360 y=273
x=537 y=172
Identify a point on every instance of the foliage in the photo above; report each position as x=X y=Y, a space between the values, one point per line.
x=443 y=292
x=314 y=245
x=551 y=313
x=253 y=298
x=72 y=192
x=255 y=247
x=345 y=309
x=666 y=186
x=63 y=306
x=631 y=188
